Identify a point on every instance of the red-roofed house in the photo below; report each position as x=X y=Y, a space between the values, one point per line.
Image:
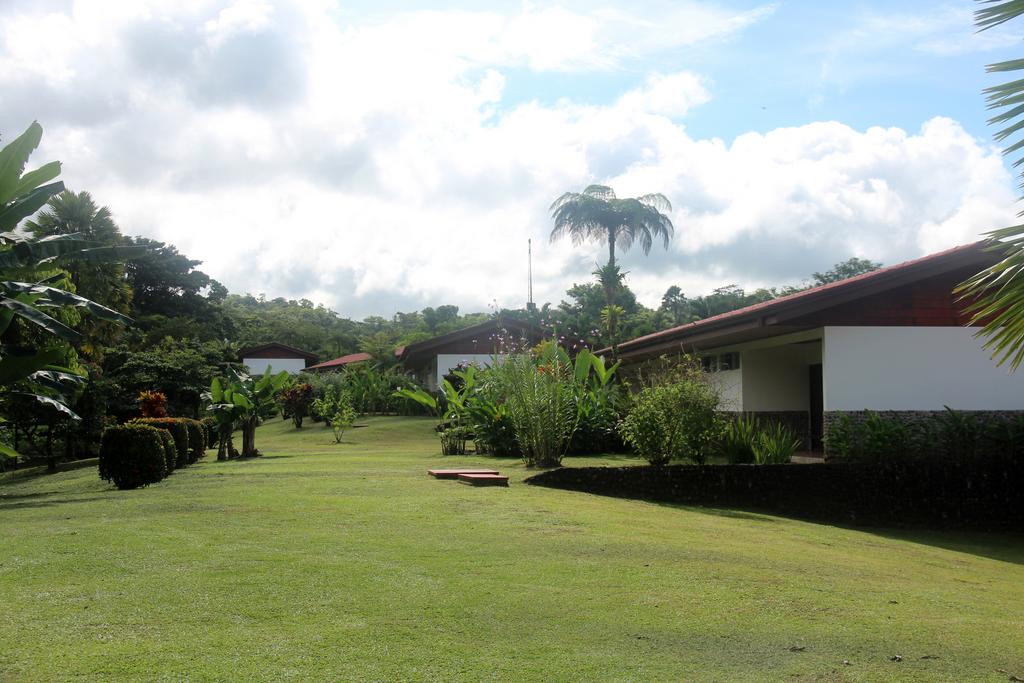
x=277 y=357
x=431 y=359
x=890 y=340
x=339 y=363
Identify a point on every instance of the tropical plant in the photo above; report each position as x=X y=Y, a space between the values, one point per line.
x=337 y=411
x=450 y=407
x=152 y=404
x=995 y=296
x=256 y=397
x=774 y=444
x=28 y=371
x=222 y=407
x=295 y=402
x=737 y=444
x=676 y=418
x=601 y=402
x=541 y=391
x=69 y=213
x=597 y=214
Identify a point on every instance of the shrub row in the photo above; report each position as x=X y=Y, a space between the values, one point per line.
x=953 y=435
x=942 y=494
x=146 y=450
x=134 y=455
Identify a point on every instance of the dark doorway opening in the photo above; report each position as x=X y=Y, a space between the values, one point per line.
x=817 y=405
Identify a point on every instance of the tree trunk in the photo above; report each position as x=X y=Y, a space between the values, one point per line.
x=249 y=438
x=224 y=446
x=611 y=248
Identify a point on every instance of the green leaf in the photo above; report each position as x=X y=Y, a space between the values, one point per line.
x=39 y=318
x=241 y=401
x=27 y=204
x=53 y=297
x=57 y=380
x=59 y=406
x=13 y=158
x=216 y=391
x=15 y=368
x=34 y=179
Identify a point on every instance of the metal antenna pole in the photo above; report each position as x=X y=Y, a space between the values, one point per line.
x=529 y=261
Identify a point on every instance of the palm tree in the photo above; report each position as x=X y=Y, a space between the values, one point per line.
x=69 y=213
x=996 y=294
x=597 y=214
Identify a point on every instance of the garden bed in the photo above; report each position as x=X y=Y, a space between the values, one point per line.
x=941 y=495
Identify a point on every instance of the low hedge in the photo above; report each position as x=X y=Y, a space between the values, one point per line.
x=132 y=456
x=170 y=451
x=979 y=495
x=211 y=431
x=196 y=439
x=179 y=431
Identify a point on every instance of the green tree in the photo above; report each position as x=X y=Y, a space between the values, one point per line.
x=31 y=292
x=851 y=267
x=675 y=308
x=597 y=214
x=69 y=213
x=995 y=296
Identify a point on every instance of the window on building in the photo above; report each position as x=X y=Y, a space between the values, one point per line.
x=729 y=361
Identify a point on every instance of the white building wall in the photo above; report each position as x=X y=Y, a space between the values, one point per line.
x=777 y=379
x=447 y=361
x=914 y=368
x=257 y=366
x=729 y=384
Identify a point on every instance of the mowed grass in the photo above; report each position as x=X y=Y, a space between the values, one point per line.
x=346 y=562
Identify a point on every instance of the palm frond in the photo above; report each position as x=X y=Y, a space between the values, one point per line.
x=994 y=298
x=997 y=12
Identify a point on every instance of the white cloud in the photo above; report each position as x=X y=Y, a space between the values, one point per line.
x=372 y=166
x=669 y=95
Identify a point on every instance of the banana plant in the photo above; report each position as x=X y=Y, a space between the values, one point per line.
x=222 y=407
x=37 y=374
x=254 y=398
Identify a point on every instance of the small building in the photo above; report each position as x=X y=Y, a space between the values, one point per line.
x=339 y=363
x=276 y=356
x=892 y=340
x=428 y=361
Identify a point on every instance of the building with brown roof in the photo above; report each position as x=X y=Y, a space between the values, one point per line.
x=895 y=339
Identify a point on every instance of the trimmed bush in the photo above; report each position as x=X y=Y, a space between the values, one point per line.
x=673 y=421
x=210 y=424
x=170 y=452
x=196 y=439
x=132 y=456
x=179 y=431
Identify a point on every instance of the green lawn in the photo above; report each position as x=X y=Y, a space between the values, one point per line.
x=346 y=562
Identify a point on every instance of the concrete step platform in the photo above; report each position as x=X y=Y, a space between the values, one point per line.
x=454 y=474
x=483 y=479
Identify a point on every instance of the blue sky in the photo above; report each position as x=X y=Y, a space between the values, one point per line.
x=382 y=156
x=862 y=63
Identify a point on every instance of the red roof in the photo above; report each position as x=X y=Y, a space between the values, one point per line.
x=824 y=294
x=339 y=362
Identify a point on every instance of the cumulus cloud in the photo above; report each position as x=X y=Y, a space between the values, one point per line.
x=371 y=163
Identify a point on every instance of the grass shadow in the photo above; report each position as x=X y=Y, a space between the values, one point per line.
x=20 y=476
x=41 y=501
x=1004 y=546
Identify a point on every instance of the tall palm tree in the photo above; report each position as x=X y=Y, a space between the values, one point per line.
x=597 y=214
x=996 y=294
x=70 y=213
